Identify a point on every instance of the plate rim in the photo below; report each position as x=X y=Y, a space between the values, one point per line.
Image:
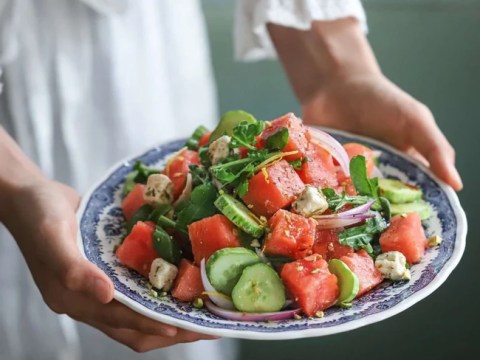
x=440 y=278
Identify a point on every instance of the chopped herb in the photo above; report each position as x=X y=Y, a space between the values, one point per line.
x=336 y=202
x=358 y=173
x=200 y=174
x=360 y=237
x=297 y=164
x=244 y=134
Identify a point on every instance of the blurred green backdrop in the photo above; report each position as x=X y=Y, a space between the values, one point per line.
x=432 y=50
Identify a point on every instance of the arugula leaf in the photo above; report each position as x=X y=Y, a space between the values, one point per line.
x=200 y=174
x=203 y=155
x=336 y=202
x=244 y=134
x=278 y=140
x=360 y=237
x=358 y=173
x=200 y=205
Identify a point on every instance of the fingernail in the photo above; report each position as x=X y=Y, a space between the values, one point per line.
x=457 y=179
x=170 y=332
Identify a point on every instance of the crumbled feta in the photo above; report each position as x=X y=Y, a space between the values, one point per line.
x=219 y=149
x=162 y=274
x=310 y=202
x=392 y=265
x=159 y=190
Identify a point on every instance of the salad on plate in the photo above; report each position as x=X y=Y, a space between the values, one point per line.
x=270 y=220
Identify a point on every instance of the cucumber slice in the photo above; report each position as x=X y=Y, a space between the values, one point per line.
x=347 y=281
x=423 y=209
x=258 y=290
x=240 y=215
x=225 y=267
x=192 y=142
x=228 y=121
x=398 y=192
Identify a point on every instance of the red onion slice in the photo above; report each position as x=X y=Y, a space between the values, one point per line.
x=336 y=149
x=377 y=173
x=219 y=299
x=354 y=211
x=241 y=316
x=187 y=190
x=340 y=221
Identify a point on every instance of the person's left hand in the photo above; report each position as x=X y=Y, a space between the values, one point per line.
x=373 y=106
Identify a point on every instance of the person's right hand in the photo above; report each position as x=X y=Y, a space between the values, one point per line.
x=41 y=217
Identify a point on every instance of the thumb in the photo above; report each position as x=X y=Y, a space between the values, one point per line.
x=83 y=276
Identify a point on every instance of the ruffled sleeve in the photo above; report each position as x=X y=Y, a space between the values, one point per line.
x=252 y=41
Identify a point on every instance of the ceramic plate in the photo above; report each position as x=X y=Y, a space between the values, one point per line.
x=101 y=228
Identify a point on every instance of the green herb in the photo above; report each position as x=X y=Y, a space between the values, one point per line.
x=278 y=140
x=297 y=164
x=192 y=142
x=203 y=155
x=358 y=173
x=336 y=202
x=200 y=174
x=143 y=172
x=200 y=205
x=165 y=246
x=244 y=134
x=360 y=237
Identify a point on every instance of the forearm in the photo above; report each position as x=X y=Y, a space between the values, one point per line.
x=329 y=50
x=18 y=171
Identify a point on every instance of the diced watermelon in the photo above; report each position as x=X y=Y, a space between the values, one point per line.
x=273 y=189
x=211 y=234
x=354 y=149
x=298 y=136
x=363 y=266
x=405 y=234
x=137 y=251
x=133 y=201
x=188 y=283
x=205 y=139
x=327 y=245
x=312 y=285
x=177 y=169
x=319 y=170
x=291 y=235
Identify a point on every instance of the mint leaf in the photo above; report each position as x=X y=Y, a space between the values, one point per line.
x=358 y=173
x=278 y=140
x=297 y=164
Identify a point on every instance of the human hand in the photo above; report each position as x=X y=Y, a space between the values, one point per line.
x=41 y=217
x=371 y=105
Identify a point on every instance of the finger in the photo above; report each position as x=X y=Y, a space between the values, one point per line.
x=142 y=343
x=84 y=277
x=118 y=316
x=426 y=137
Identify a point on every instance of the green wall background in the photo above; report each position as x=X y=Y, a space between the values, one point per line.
x=432 y=50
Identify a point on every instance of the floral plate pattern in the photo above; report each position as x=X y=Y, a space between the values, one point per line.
x=101 y=228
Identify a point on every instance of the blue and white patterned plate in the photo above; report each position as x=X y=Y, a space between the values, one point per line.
x=101 y=228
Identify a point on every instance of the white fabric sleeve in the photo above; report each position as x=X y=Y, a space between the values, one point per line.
x=251 y=38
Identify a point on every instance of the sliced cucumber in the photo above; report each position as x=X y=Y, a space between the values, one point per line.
x=347 y=281
x=225 y=267
x=259 y=289
x=421 y=207
x=192 y=142
x=141 y=214
x=228 y=121
x=240 y=215
x=398 y=192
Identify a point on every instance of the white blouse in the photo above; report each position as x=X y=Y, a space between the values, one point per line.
x=89 y=82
